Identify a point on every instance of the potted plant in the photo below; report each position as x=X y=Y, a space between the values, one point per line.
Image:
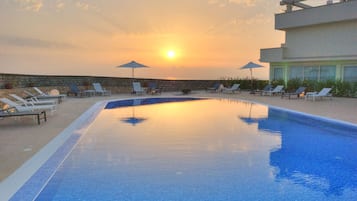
x=186 y=91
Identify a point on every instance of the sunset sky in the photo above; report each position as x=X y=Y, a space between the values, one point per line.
x=208 y=39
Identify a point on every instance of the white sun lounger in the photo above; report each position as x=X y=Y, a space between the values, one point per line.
x=100 y=90
x=325 y=92
x=33 y=101
x=43 y=95
x=137 y=89
x=28 y=108
x=277 y=90
x=233 y=89
x=39 y=114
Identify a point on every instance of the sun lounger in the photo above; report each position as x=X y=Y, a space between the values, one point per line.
x=54 y=95
x=27 y=108
x=74 y=90
x=38 y=97
x=277 y=90
x=265 y=89
x=325 y=92
x=38 y=114
x=233 y=89
x=297 y=93
x=100 y=90
x=32 y=96
x=33 y=101
x=137 y=89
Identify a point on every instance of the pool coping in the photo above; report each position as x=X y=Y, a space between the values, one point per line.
x=317 y=117
x=10 y=187
x=40 y=168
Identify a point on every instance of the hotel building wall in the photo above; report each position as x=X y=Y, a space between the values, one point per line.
x=320 y=44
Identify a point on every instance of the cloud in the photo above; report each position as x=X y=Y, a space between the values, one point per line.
x=30 y=5
x=236 y=23
x=82 y=5
x=86 y=6
x=223 y=3
x=59 y=5
x=33 y=42
x=244 y=2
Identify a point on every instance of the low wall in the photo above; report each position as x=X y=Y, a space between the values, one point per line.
x=17 y=83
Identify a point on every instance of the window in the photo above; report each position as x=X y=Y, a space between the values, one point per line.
x=350 y=74
x=296 y=72
x=311 y=73
x=278 y=73
x=327 y=73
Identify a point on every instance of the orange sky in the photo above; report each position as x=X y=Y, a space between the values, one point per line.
x=211 y=38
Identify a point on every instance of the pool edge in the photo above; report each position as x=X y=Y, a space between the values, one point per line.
x=11 y=185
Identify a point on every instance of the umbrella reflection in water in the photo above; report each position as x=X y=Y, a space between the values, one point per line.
x=249 y=119
x=133 y=120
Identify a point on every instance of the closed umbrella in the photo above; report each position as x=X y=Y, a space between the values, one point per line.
x=250 y=66
x=133 y=65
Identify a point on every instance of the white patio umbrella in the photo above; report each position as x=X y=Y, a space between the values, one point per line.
x=132 y=65
x=250 y=66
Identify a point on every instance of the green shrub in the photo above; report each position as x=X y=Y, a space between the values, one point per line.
x=245 y=83
x=278 y=82
x=354 y=89
x=342 y=89
x=293 y=84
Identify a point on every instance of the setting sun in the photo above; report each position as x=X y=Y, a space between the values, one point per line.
x=171 y=54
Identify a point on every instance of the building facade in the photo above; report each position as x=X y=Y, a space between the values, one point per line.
x=320 y=43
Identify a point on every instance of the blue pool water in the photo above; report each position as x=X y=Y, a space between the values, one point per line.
x=207 y=150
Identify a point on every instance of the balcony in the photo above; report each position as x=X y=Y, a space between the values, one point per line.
x=272 y=55
x=330 y=13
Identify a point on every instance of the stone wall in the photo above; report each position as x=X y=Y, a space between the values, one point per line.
x=17 y=83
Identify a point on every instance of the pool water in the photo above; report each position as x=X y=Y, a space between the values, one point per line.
x=208 y=150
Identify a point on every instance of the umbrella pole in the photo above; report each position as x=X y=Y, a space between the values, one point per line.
x=132 y=79
x=251 y=81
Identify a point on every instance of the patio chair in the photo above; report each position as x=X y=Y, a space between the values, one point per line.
x=277 y=90
x=325 y=92
x=100 y=90
x=297 y=93
x=137 y=89
x=9 y=113
x=33 y=101
x=153 y=89
x=27 y=108
x=73 y=89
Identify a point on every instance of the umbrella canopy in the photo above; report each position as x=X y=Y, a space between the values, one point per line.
x=133 y=65
x=250 y=66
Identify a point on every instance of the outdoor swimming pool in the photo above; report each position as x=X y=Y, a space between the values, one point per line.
x=205 y=149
